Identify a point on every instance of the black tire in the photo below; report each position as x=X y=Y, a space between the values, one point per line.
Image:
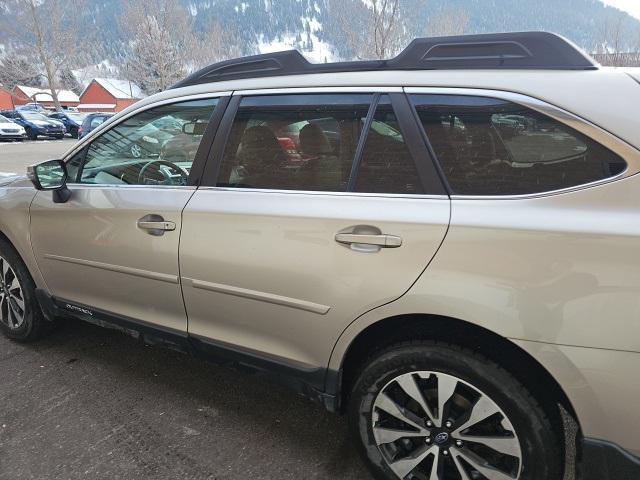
x=542 y=456
x=31 y=134
x=34 y=324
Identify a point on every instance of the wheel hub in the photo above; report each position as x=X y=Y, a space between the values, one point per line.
x=442 y=439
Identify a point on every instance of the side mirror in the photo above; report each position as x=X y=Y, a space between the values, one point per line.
x=51 y=175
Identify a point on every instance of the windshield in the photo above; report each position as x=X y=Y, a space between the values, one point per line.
x=4 y=119
x=34 y=116
x=76 y=117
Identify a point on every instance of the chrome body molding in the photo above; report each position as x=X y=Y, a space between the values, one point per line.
x=259 y=296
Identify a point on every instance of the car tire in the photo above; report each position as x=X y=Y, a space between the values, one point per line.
x=60 y=137
x=31 y=135
x=529 y=450
x=21 y=317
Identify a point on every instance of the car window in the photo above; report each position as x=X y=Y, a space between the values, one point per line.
x=96 y=122
x=154 y=147
x=32 y=116
x=490 y=146
x=294 y=142
x=4 y=119
x=386 y=165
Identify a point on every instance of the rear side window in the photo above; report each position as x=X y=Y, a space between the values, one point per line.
x=386 y=165
x=489 y=146
x=313 y=142
x=294 y=142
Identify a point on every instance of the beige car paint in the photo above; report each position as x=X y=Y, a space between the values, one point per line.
x=92 y=252
x=282 y=244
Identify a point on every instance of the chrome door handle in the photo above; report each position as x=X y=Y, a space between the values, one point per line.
x=155 y=225
x=382 y=240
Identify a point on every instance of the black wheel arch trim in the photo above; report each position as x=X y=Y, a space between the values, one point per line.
x=603 y=460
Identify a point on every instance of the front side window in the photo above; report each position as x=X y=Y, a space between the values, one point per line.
x=294 y=142
x=154 y=147
x=489 y=146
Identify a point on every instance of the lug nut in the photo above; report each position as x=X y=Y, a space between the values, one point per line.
x=429 y=423
x=448 y=424
x=459 y=443
x=428 y=440
x=445 y=452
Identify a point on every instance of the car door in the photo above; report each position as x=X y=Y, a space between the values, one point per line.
x=112 y=249
x=292 y=237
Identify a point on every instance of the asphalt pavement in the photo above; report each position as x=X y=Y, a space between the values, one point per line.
x=16 y=156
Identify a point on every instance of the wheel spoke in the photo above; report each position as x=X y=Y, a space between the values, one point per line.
x=405 y=466
x=14 y=284
x=446 y=386
x=482 y=410
x=388 y=435
x=5 y=269
x=459 y=466
x=505 y=445
x=410 y=386
x=436 y=467
x=18 y=301
x=392 y=408
x=480 y=465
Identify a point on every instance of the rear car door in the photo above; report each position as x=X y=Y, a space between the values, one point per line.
x=112 y=249
x=320 y=207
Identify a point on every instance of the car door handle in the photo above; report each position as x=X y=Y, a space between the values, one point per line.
x=155 y=225
x=382 y=240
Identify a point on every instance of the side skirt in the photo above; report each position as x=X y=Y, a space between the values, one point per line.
x=306 y=380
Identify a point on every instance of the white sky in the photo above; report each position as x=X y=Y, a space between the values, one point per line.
x=630 y=6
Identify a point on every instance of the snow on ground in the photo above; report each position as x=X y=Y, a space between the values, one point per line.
x=319 y=51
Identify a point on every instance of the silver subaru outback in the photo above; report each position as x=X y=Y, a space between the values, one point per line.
x=444 y=245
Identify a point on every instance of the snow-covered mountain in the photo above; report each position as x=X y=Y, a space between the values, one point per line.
x=313 y=26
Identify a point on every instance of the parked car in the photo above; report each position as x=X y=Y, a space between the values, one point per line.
x=91 y=122
x=35 y=124
x=33 y=107
x=10 y=130
x=454 y=292
x=72 y=121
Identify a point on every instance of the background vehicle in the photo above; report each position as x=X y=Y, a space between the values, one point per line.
x=451 y=289
x=33 y=107
x=10 y=130
x=72 y=121
x=35 y=124
x=91 y=122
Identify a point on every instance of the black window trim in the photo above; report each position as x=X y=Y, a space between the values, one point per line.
x=596 y=133
x=425 y=164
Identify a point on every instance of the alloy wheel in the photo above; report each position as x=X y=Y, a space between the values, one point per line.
x=434 y=426
x=11 y=297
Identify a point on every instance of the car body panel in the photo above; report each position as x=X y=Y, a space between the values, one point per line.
x=602 y=386
x=299 y=287
x=108 y=262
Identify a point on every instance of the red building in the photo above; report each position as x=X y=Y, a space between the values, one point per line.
x=6 y=99
x=23 y=95
x=109 y=95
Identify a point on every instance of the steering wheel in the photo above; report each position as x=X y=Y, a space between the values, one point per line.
x=160 y=176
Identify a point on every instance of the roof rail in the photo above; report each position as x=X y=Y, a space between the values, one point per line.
x=523 y=50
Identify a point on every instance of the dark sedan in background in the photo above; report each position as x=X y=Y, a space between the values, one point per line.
x=35 y=124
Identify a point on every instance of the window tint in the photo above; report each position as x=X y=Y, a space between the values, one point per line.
x=386 y=165
x=154 y=147
x=294 y=142
x=493 y=147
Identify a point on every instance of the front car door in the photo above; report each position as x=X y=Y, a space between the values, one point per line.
x=112 y=249
x=315 y=213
